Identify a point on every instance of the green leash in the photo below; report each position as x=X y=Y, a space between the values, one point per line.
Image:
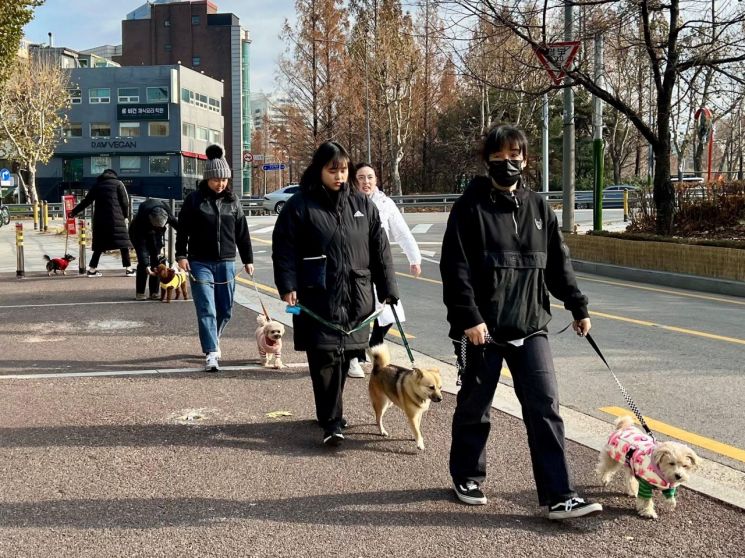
x=298 y=308
x=403 y=335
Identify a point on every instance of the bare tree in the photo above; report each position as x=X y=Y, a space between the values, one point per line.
x=31 y=114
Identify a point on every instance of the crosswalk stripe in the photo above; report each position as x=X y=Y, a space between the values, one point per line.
x=421 y=228
x=264 y=230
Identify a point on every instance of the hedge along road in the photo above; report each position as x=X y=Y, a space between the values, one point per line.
x=678 y=353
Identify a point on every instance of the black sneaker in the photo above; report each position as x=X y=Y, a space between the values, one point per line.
x=469 y=492
x=130 y=272
x=333 y=437
x=94 y=273
x=574 y=507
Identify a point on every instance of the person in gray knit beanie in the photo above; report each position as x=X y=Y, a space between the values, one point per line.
x=216 y=165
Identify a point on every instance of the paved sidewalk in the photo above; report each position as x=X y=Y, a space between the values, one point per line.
x=169 y=461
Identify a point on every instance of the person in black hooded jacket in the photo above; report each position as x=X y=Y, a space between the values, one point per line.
x=211 y=226
x=502 y=255
x=329 y=249
x=110 y=213
x=146 y=231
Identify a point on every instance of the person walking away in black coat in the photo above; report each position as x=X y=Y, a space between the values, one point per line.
x=211 y=226
x=502 y=255
x=147 y=231
x=110 y=212
x=329 y=249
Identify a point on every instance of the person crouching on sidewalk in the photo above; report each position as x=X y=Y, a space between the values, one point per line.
x=211 y=225
x=502 y=255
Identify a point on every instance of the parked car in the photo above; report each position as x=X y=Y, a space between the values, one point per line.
x=275 y=201
x=612 y=197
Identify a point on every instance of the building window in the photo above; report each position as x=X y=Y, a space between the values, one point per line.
x=196 y=61
x=203 y=134
x=128 y=95
x=186 y=95
x=195 y=20
x=75 y=95
x=214 y=105
x=157 y=94
x=190 y=166
x=201 y=101
x=100 y=164
x=189 y=130
x=99 y=95
x=73 y=130
x=129 y=129
x=167 y=47
x=160 y=164
x=157 y=129
x=215 y=136
x=129 y=164
x=100 y=130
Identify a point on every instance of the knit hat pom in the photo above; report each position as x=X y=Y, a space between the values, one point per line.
x=214 y=151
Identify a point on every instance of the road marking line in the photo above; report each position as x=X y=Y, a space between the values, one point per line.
x=139 y=372
x=658 y=290
x=261 y=240
x=52 y=304
x=425 y=279
x=420 y=229
x=258 y=285
x=429 y=253
x=264 y=230
x=688 y=437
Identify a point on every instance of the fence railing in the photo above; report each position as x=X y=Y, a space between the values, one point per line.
x=253 y=206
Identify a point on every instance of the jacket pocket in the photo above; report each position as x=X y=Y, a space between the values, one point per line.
x=313 y=272
x=361 y=303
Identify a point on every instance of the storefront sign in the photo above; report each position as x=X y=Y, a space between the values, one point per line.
x=113 y=144
x=151 y=111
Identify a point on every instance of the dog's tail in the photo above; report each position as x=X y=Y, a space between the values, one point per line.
x=381 y=356
x=47 y=258
x=261 y=319
x=623 y=422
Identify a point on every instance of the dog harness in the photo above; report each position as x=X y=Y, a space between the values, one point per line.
x=61 y=263
x=634 y=448
x=178 y=280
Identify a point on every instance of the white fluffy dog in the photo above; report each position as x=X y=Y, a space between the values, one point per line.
x=269 y=340
x=649 y=465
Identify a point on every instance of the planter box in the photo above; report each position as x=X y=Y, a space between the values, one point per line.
x=702 y=261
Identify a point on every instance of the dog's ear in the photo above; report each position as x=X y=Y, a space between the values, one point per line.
x=660 y=453
x=418 y=374
x=692 y=458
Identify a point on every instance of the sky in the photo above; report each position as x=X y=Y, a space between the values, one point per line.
x=83 y=24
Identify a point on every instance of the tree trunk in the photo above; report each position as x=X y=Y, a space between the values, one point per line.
x=31 y=187
x=664 y=194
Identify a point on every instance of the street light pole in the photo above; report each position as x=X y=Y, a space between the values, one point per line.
x=567 y=212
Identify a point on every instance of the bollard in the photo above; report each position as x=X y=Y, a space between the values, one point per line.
x=45 y=215
x=625 y=206
x=20 y=264
x=81 y=254
x=35 y=210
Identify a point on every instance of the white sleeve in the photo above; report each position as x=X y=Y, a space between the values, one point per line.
x=400 y=233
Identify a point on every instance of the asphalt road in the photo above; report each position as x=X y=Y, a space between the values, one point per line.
x=678 y=353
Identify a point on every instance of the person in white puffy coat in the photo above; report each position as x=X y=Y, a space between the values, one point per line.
x=398 y=231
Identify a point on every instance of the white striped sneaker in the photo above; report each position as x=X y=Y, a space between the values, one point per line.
x=210 y=363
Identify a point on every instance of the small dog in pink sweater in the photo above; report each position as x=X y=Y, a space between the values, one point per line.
x=269 y=340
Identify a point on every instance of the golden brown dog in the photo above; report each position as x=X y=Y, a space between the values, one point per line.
x=410 y=390
x=170 y=281
x=648 y=465
x=269 y=340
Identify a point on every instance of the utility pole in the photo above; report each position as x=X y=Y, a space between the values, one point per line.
x=567 y=212
x=425 y=142
x=545 y=144
x=598 y=148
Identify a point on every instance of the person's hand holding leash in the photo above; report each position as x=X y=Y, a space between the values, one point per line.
x=582 y=327
x=477 y=334
x=290 y=298
x=392 y=300
x=184 y=264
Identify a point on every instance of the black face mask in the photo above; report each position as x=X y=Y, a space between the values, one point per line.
x=505 y=172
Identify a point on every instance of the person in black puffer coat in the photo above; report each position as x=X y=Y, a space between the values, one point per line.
x=147 y=232
x=329 y=249
x=502 y=255
x=211 y=226
x=110 y=211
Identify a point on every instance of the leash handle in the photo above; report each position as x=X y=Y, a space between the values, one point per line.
x=626 y=396
x=403 y=335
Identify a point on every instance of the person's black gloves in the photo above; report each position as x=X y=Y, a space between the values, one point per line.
x=392 y=300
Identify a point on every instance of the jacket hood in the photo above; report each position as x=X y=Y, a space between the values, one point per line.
x=107 y=175
x=322 y=194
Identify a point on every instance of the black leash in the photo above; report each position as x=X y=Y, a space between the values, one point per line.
x=403 y=335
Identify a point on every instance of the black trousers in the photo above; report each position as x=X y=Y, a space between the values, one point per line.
x=126 y=261
x=328 y=372
x=534 y=379
x=148 y=254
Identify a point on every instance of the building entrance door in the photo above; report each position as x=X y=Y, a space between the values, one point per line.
x=72 y=170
